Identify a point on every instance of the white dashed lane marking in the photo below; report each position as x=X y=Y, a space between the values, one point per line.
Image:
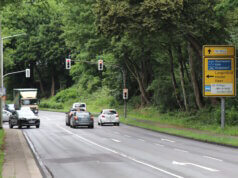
x=167 y=140
x=213 y=158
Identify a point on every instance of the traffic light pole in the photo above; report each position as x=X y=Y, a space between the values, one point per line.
x=124 y=85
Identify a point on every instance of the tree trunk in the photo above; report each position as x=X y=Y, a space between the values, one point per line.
x=52 y=84
x=133 y=68
x=175 y=86
x=195 y=45
x=197 y=93
x=40 y=81
x=144 y=95
x=181 y=72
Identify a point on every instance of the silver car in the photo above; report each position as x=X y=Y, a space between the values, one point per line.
x=81 y=118
x=108 y=116
x=6 y=115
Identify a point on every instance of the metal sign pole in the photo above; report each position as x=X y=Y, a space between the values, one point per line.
x=223 y=116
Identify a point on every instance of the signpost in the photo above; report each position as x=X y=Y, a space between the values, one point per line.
x=219 y=73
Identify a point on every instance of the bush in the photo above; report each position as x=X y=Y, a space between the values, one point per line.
x=232 y=117
x=52 y=105
x=65 y=95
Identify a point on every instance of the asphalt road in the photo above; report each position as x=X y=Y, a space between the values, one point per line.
x=124 y=152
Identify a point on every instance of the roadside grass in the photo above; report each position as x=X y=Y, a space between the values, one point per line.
x=204 y=120
x=224 y=140
x=1 y=150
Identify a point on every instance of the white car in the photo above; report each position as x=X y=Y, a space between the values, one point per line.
x=79 y=105
x=6 y=115
x=108 y=116
x=24 y=117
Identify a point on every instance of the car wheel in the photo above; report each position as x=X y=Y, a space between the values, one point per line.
x=37 y=126
x=28 y=126
x=10 y=125
x=114 y=124
x=91 y=126
x=101 y=123
x=19 y=127
x=98 y=123
x=118 y=124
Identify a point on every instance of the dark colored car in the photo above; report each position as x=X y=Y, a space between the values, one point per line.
x=81 y=118
x=24 y=117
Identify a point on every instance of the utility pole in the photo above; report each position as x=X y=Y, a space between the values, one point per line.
x=1 y=73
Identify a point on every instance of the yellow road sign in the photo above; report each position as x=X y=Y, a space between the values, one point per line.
x=219 y=77
x=219 y=71
x=218 y=51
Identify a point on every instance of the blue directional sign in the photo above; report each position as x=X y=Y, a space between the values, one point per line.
x=219 y=64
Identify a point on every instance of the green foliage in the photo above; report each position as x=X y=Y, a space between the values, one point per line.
x=51 y=105
x=65 y=95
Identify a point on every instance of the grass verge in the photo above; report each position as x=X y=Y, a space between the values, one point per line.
x=184 y=132
x=1 y=150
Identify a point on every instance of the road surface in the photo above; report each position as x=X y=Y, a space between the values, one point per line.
x=124 y=152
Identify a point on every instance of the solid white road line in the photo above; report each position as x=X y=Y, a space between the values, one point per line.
x=118 y=141
x=167 y=140
x=141 y=139
x=181 y=150
x=42 y=165
x=213 y=158
x=121 y=154
x=196 y=165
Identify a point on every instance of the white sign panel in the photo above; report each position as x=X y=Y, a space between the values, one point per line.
x=222 y=88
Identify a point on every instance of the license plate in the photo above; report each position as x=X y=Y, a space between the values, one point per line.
x=31 y=122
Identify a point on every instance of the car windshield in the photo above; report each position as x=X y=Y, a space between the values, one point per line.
x=11 y=106
x=29 y=101
x=110 y=112
x=79 y=105
x=82 y=114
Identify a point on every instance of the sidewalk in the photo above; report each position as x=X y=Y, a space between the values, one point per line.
x=19 y=161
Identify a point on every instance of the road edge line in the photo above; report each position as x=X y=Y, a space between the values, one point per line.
x=43 y=169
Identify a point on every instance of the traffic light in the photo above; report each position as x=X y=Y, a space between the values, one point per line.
x=28 y=73
x=68 y=63
x=125 y=93
x=100 y=65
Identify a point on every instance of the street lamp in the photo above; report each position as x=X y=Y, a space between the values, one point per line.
x=1 y=67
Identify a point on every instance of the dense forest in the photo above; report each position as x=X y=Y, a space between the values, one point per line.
x=156 y=43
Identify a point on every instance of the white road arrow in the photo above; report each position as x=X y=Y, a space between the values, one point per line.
x=196 y=165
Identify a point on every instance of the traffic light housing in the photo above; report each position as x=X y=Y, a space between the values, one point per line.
x=28 y=73
x=100 y=65
x=125 y=93
x=68 y=63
